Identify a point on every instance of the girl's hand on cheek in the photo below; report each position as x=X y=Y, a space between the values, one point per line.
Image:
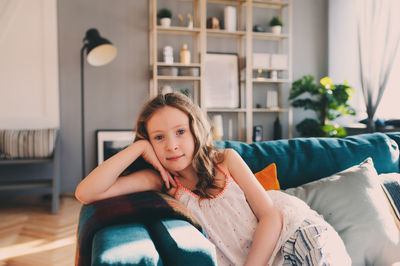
x=150 y=156
x=167 y=178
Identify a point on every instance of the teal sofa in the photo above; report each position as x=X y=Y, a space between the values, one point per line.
x=170 y=241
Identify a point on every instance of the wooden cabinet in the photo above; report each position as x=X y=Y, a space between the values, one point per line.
x=254 y=83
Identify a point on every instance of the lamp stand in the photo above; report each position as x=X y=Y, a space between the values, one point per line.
x=83 y=111
x=95 y=57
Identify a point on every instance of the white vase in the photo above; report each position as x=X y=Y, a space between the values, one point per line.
x=274 y=75
x=217 y=127
x=165 y=22
x=276 y=29
x=230 y=18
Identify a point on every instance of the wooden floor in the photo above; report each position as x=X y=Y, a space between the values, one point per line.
x=30 y=235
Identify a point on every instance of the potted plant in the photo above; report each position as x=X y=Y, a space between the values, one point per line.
x=276 y=25
x=328 y=101
x=164 y=15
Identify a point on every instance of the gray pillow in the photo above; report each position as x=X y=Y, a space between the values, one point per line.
x=29 y=143
x=352 y=201
x=390 y=183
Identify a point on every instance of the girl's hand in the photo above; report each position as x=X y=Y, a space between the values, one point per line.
x=150 y=156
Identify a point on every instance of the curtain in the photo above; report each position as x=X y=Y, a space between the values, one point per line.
x=378 y=28
x=8 y=10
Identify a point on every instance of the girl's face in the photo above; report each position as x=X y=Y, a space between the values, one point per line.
x=171 y=138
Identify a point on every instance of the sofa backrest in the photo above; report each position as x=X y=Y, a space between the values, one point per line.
x=302 y=160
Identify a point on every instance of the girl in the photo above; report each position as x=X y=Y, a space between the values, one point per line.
x=247 y=225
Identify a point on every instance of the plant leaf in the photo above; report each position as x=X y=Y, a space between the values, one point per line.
x=303 y=85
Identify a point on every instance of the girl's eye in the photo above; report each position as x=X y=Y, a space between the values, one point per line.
x=181 y=131
x=158 y=137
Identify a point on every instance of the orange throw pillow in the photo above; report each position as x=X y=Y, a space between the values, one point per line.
x=268 y=178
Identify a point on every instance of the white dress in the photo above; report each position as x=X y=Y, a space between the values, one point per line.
x=230 y=223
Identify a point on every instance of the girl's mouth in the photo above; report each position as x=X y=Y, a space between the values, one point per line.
x=174 y=158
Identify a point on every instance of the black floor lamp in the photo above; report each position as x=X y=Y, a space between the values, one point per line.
x=99 y=52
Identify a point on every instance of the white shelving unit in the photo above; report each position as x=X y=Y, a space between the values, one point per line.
x=244 y=37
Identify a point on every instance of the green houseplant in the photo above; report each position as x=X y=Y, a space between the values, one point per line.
x=327 y=100
x=164 y=15
x=275 y=21
x=276 y=25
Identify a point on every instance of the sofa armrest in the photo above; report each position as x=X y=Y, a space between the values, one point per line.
x=143 y=209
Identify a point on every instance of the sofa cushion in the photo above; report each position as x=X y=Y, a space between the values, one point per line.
x=353 y=202
x=303 y=160
x=128 y=244
x=268 y=177
x=391 y=186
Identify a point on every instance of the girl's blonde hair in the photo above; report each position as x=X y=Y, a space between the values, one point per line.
x=205 y=154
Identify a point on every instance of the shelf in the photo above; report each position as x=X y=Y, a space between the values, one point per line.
x=52 y=184
x=224 y=33
x=265 y=69
x=226 y=110
x=265 y=80
x=270 y=3
x=256 y=3
x=256 y=35
x=178 y=78
x=270 y=110
x=271 y=69
x=25 y=161
x=177 y=30
x=178 y=64
x=206 y=39
x=227 y=2
x=24 y=184
x=269 y=36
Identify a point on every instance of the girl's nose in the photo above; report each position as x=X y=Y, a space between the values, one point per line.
x=172 y=144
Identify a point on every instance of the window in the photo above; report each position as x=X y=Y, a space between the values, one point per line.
x=344 y=63
x=389 y=106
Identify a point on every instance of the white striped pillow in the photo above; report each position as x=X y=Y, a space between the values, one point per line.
x=21 y=144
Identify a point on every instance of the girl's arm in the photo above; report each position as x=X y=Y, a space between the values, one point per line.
x=104 y=181
x=269 y=217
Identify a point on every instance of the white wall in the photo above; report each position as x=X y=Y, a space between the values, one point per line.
x=310 y=45
x=29 y=64
x=344 y=54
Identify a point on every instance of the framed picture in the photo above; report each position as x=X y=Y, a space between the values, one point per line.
x=110 y=142
x=222 y=80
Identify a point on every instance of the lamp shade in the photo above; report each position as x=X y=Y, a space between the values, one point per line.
x=100 y=51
